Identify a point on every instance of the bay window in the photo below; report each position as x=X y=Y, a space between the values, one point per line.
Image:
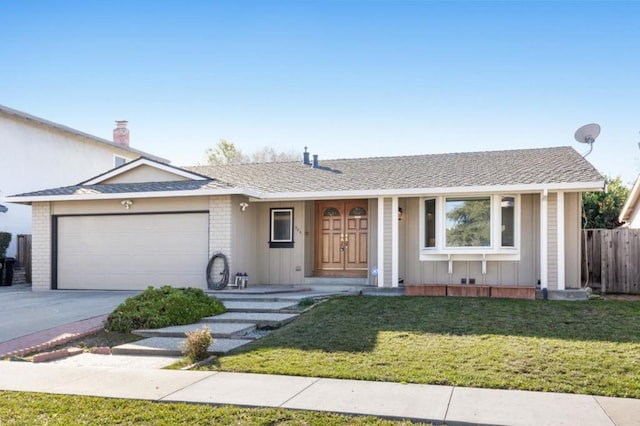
x=472 y=225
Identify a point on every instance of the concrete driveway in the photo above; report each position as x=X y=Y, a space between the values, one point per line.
x=23 y=312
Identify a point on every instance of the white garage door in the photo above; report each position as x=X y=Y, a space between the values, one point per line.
x=132 y=252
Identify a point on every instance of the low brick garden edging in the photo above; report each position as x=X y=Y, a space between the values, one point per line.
x=471 y=290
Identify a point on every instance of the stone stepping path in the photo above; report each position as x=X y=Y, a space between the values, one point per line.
x=217 y=330
x=170 y=346
x=233 y=329
x=261 y=319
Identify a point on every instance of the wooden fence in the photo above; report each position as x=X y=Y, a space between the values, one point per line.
x=611 y=260
x=24 y=254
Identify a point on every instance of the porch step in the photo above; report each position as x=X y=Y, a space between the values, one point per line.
x=260 y=290
x=19 y=276
x=331 y=281
x=218 y=330
x=351 y=285
x=293 y=297
x=250 y=306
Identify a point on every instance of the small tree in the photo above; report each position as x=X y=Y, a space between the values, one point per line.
x=227 y=153
x=602 y=209
x=269 y=155
x=224 y=153
x=5 y=239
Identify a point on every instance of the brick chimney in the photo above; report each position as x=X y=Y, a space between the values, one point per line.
x=121 y=133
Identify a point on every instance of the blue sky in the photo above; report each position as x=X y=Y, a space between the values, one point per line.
x=345 y=78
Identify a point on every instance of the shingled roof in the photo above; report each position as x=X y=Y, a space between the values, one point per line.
x=130 y=188
x=512 y=168
x=473 y=169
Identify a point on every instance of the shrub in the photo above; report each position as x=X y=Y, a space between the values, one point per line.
x=5 y=239
x=196 y=347
x=163 y=307
x=306 y=302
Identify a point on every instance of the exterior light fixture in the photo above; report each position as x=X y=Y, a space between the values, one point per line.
x=243 y=206
x=126 y=204
x=400 y=213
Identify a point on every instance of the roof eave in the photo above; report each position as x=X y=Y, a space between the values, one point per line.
x=403 y=192
x=146 y=162
x=632 y=200
x=28 y=117
x=28 y=200
x=319 y=195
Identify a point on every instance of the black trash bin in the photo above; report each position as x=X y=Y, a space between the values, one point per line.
x=1 y=271
x=8 y=270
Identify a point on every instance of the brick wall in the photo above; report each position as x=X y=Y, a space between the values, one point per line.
x=41 y=246
x=220 y=227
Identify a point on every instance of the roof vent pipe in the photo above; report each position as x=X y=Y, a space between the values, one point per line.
x=315 y=161
x=305 y=157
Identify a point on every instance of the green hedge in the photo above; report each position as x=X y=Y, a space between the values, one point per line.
x=163 y=307
x=5 y=239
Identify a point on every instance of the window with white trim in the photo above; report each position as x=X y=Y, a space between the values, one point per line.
x=507 y=221
x=281 y=229
x=119 y=161
x=430 y=222
x=468 y=222
x=474 y=225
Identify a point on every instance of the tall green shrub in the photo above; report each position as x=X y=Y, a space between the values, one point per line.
x=601 y=209
x=5 y=239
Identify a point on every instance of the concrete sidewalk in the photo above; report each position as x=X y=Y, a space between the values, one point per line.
x=438 y=404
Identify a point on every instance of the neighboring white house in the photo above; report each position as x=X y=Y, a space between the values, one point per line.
x=501 y=220
x=630 y=214
x=37 y=153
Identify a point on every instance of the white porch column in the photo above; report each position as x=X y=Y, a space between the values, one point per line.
x=395 y=274
x=380 y=241
x=560 y=239
x=544 y=258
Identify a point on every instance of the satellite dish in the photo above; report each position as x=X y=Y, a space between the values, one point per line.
x=588 y=134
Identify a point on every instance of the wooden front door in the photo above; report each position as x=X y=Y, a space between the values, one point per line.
x=342 y=236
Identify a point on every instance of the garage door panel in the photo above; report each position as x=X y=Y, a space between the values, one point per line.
x=132 y=251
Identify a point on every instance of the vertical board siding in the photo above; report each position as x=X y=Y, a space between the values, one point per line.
x=373 y=239
x=243 y=244
x=611 y=260
x=278 y=265
x=552 y=241
x=388 y=246
x=572 y=218
x=24 y=254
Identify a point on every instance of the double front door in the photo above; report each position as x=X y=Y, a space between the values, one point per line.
x=342 y=238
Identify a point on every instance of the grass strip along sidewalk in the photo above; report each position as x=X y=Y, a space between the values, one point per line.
x=574 y=347
x=23 y=408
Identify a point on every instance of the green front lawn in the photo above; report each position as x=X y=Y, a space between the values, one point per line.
x=22 y=408
x=576 y=347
